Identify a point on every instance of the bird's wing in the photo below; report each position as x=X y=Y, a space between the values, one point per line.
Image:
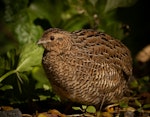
x=100 y=59
x=102 y=48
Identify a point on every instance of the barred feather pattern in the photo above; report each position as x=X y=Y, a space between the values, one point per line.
x=86 y=66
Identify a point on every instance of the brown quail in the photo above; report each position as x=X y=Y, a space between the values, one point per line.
x=86 y=66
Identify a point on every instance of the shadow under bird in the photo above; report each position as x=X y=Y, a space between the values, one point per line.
x=86 y=66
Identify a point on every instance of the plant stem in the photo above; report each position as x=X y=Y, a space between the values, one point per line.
x=7 y=74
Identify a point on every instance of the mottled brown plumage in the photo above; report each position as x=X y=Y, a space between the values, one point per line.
x=86 y=66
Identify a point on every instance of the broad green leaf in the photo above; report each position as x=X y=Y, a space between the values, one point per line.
x=24 y=29
x=27 y=32
x=30 y=57
x=91 y=109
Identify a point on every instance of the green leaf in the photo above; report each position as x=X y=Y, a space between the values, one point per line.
x=138 y=103
x=146 y=78
x=76 y=108
x=22 y=77
x=123 y=104
x=6 y=87
x=46 y=87
x=27 y=32
x=30 y=56
x=134 y=84
x=23 y=27
x=91 y=109
x=146 y=106
x=39 y=75
x=84 y=107
x=7 y=74
x=139 y=109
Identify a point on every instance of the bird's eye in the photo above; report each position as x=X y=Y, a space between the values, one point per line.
x=52 y=37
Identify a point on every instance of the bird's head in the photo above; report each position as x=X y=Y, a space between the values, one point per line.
x=56 y=40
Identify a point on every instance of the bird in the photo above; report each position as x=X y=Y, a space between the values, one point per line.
x=86 y=66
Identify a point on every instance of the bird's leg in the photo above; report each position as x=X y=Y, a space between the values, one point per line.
x=101 y=105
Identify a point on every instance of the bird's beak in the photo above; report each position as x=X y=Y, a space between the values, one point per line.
x=41 y=42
